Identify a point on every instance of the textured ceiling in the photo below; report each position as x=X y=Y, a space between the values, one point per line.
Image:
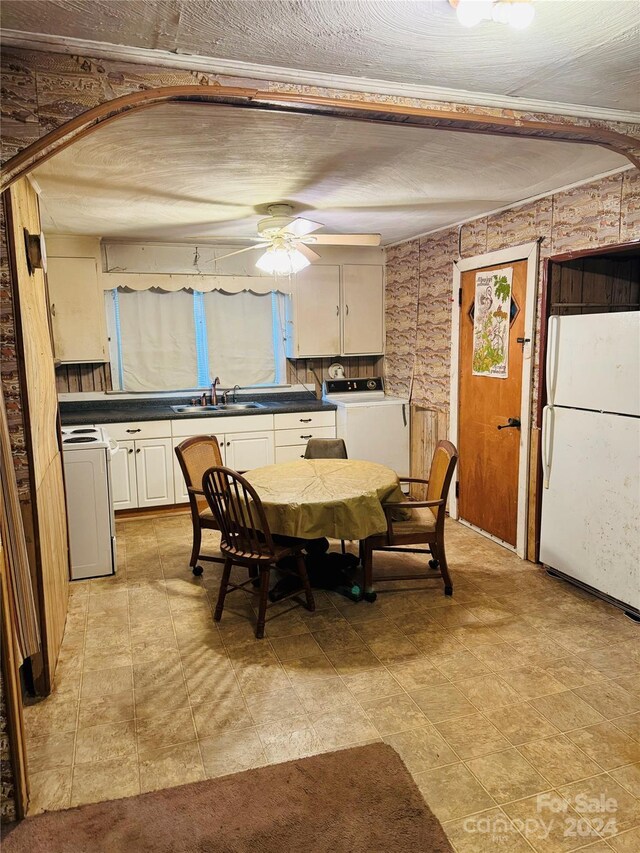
x=179 y=171
x=576 y=51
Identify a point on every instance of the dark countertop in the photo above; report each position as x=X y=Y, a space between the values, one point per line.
x=112 y=410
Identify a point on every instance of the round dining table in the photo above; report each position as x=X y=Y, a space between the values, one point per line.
x=332 y=498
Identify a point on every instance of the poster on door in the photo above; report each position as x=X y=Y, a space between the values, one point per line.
x=492 y=310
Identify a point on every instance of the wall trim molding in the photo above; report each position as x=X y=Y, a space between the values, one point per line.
x=315 y=79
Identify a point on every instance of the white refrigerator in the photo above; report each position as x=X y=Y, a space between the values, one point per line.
x=591 y=453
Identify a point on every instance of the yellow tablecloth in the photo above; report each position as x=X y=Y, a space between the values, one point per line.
x=337 y=498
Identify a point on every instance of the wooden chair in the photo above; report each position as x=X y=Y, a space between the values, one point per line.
x=247 y=541
x=195 y=456
x=326 y=448
x=425 y=525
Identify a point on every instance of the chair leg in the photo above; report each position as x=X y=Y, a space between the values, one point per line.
x=254 y=574
x=441 y=557
x=224 y=583
x=304 y=577
x=262 y=607
x=343 y=545
x=195 y=550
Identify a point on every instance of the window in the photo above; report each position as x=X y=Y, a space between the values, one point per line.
x=172 y=341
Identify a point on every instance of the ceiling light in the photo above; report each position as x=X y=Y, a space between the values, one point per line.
x=279 y=261
x=517 y=13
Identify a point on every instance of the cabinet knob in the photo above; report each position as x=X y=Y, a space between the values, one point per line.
x=134 y=430
x=131 y=450
x=337 y=310
x=228 y=444
x=53 y=309
x=137 y=450
x=347 y=309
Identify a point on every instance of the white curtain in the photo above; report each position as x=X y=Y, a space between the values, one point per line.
x=241 y=340
x=158 y=348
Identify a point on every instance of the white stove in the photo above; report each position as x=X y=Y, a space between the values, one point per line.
x=86 y=453
x=374 y=425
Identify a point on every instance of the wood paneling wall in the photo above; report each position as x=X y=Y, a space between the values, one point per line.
x=595 y=285
x=83 y=377
x=44 y=514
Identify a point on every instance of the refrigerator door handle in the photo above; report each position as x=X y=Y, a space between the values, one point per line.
x=552 y=358
x=547 y=443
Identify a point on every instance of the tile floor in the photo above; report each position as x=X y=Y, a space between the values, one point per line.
x=515 y=704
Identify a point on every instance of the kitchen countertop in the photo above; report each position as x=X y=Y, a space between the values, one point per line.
x=121 y=411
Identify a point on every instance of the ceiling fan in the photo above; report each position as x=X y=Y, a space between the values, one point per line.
x=287 y=240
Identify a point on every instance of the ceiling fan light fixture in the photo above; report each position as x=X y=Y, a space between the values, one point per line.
x=280 y=261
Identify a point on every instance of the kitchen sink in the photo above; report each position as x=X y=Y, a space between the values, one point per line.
x=221 y=407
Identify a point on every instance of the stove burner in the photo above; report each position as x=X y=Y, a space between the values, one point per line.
x=87 y=430
x=80 y=439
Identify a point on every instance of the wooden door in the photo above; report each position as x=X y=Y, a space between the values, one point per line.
x=247 y=450
x=362 y=309
x=154 y=471
x=317 y=314
x=123 y=476
x=490 y=457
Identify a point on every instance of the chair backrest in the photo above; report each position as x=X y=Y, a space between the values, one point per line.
x=195 y=456
x=239 y=514
x=326 y=448
x=443 y=465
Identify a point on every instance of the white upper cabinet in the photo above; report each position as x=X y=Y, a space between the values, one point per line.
x=333 y=317
x=363 y=309
x=316 y=317
x=77 y=310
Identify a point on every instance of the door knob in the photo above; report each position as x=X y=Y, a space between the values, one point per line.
x=512 y=422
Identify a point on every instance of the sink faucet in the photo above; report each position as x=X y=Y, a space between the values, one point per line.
x=233 y=392
x=214 y=391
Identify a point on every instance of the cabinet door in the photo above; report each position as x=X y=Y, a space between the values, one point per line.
x=123 y=476
x=154 y=471
x=363 y=309
x=179 y=486
x=247 y=450
x=317 y=312
x=77 y=310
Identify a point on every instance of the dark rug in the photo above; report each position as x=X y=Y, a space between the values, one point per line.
x=360 y=800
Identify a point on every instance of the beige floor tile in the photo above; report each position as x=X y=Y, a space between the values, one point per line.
x=609 y=698
x=630 y=683
x=56 y=713
x=532 y=681
x=475 y=635
x=114 y=708
x=337 y=637
x=227 y=713
x=209 y=679
x=629 y=778
x=499 y=656
x=156 y=672
x=107 y=640
x=626 y=842
x=488 y=692
x=629 y=724
x=291 y=648
x=53 y=749
x=373 y=684
x=421 y=749
x=49 y=790
x=486 y=832
x=372 y=629
x=286 y=625
x=327 y=694
x=507 y=776
x=354 y=659
x=231 y=752
x=106 y=660
x=260 y=679
x=607 y=745
x=343 y=727
x=416 y=673
x=566 y=710
x=521 y=723
x=539 y=647
x=174 y=765
x=549 y=824
x=392 y=650
x=320 y=620
x=286 y=740
x=312 y=668
x=106 y=742
x=442 y=702
x=601 y=799
x=267 y=707
x=572 y=672
x=559 y=760
x=434 y=640
x=453 y=616
x=459 y=665
x=105 y=780
x=394 y=714
x=153 y=699
x=452 y=792
x=162 y=730
x=105 y=682
x=612 y=661
x=472 y=736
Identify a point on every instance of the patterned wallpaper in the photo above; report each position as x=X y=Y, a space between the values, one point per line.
x=596 y=214
x=7 y=791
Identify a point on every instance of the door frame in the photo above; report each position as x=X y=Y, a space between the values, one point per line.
x=528 y=252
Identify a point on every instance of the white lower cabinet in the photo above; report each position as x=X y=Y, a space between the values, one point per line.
x=290 y=453
x=246 y=450
x=154 y=471
x=124 y=489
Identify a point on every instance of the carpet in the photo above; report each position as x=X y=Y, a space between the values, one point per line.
x=359 y=800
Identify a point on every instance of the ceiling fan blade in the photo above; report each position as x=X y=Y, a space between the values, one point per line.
x=240 y=251
x=309 y=254
x=300 y=227
x=346 y=239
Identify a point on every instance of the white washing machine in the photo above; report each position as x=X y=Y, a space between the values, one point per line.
x=86 y=453
x=374 y=426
